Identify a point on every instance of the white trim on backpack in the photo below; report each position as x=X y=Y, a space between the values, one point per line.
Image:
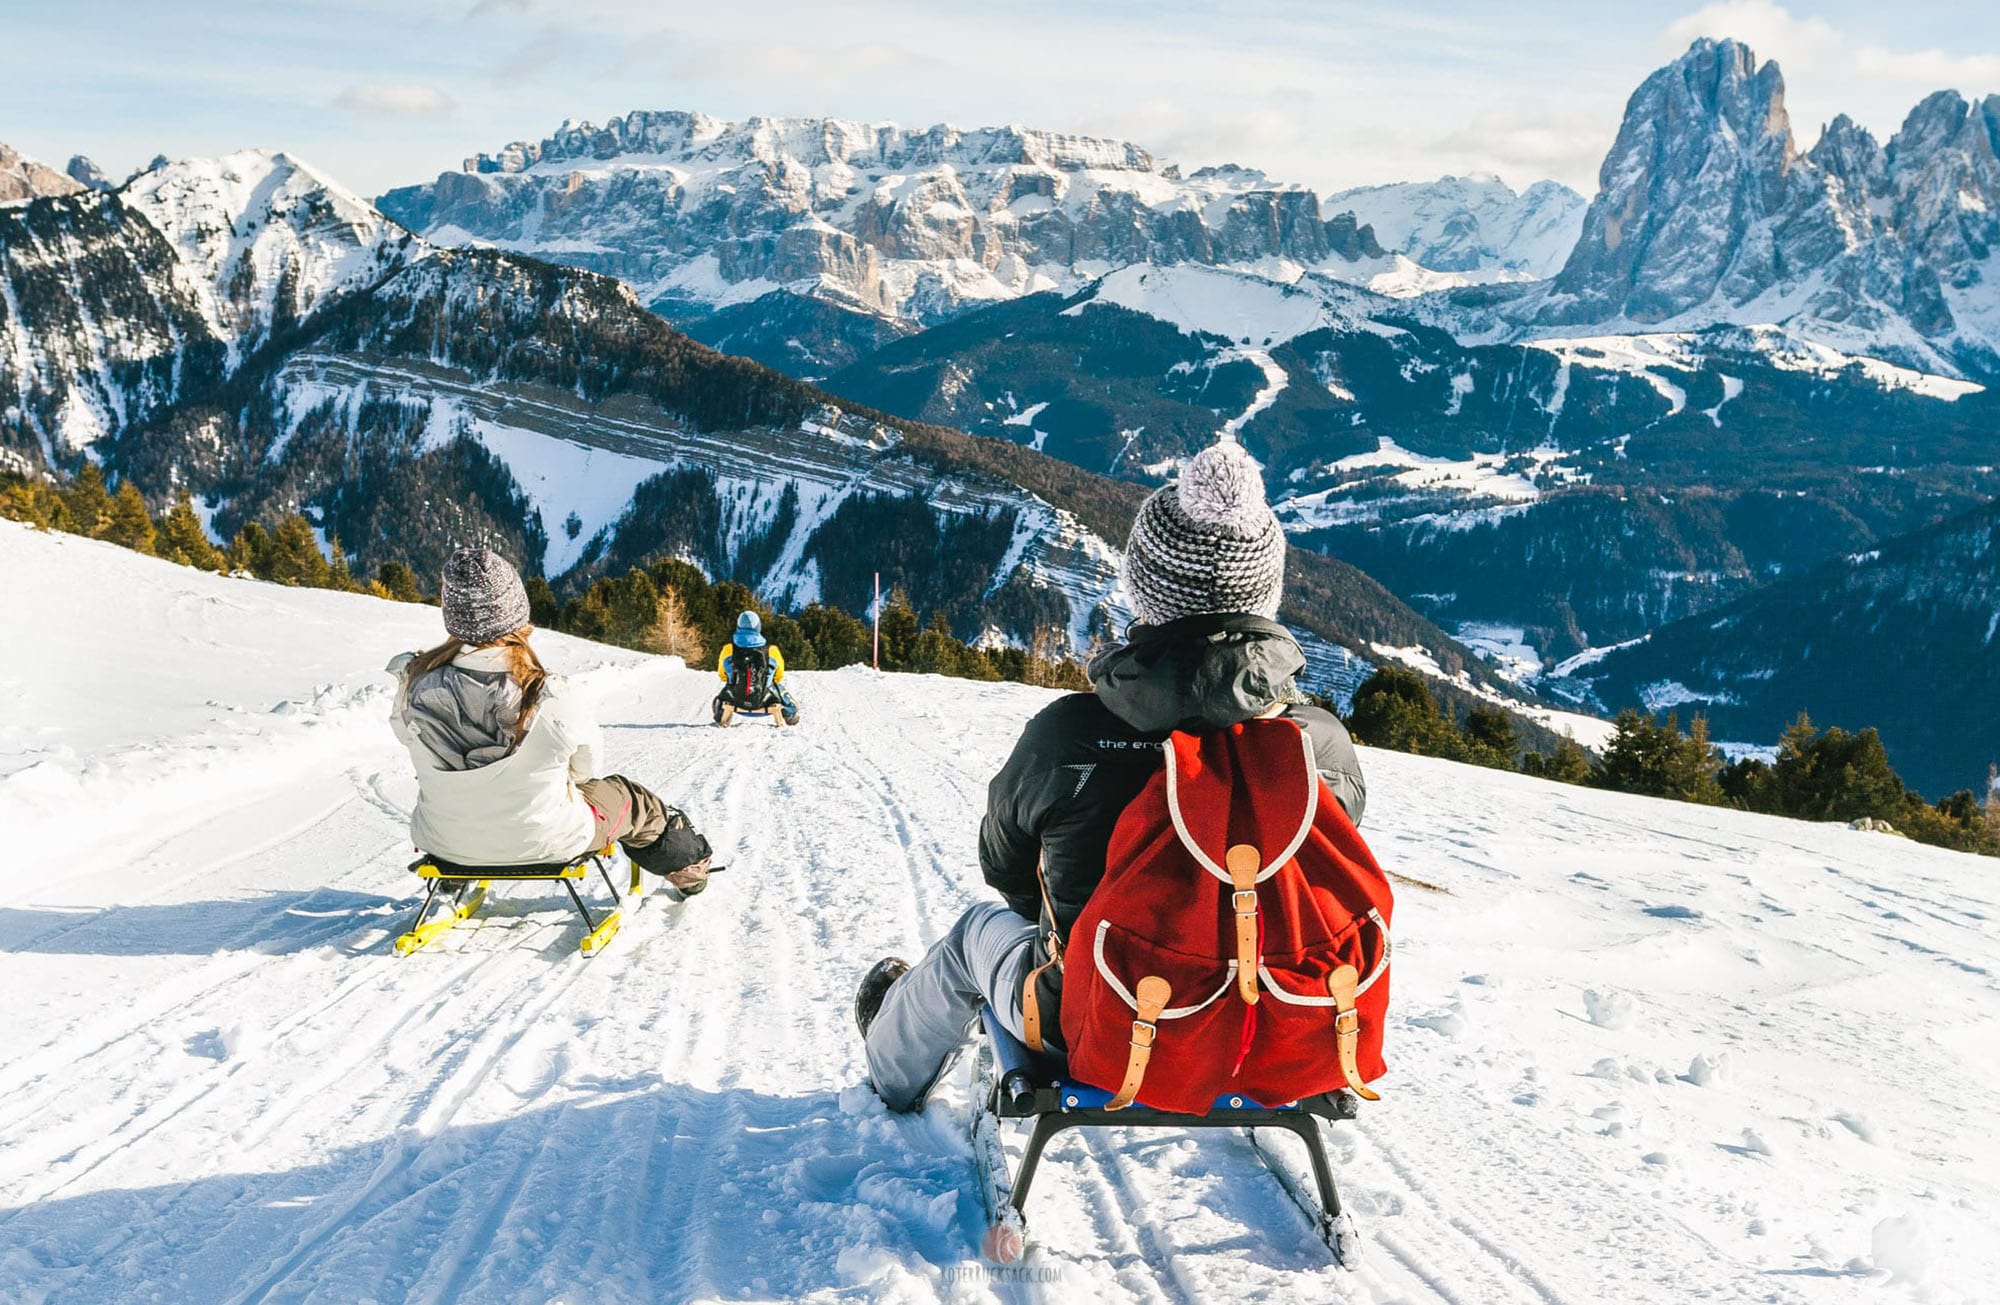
x=1294 y=999
x=1125 y=993
x=1275 y=863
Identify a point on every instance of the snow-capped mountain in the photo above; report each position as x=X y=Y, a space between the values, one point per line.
x=264 y=239
x=1708 y=213
x=697 y=214
x=244 y=328
x=117 y=304
x=22 y=177
x=1476 y=225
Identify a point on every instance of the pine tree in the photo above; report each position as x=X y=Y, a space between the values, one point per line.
x=1491 y=738
x=87 y=502
x=900 y=631
x=1394 y=709
x=128 y=524
x=182 y=539
x=293 y=557
x=248 y=551
x=1568 y=764
x=399 y=582
x=1657 y=760
x=543 y=609
x=671 y=633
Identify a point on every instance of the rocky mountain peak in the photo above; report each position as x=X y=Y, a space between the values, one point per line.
x=22 y=177
x=914 y=225
x=87 y=174
x=1708 y=214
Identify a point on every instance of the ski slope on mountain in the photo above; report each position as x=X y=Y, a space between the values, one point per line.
x=1639 y=1051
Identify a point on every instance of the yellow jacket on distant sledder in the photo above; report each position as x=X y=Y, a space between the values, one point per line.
x=753 y=675
x=729 y=650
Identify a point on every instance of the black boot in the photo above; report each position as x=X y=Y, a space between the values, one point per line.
x=874 y=987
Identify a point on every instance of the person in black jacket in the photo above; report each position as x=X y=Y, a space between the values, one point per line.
x=1205 y=569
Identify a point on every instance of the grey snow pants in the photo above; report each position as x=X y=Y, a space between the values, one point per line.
x=928 y=1013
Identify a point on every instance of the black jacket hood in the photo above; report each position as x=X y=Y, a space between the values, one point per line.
x=1198 y=673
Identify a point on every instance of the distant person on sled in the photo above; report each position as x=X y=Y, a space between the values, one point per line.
x=1205 y=567
x=752 y=672
x=506 y=756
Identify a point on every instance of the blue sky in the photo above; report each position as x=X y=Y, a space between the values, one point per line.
x=1332 y=94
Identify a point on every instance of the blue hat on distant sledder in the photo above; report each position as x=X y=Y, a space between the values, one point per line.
x=749 y=631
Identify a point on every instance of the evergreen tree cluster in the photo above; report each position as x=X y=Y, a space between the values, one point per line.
x=1818 y=774
x=671 y=607
x=286 y=552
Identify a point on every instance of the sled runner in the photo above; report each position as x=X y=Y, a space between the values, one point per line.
x=1011 y=1082
x=726 y=712
x=468 y=885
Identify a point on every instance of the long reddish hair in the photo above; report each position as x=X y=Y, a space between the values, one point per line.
x=523 y=667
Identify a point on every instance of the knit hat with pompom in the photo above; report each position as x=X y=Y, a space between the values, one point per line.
x=482 y=596
x=1208 y=544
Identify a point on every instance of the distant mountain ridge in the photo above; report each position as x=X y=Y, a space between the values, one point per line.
x=915 y=225
x=1475 y=224
x=247 y=330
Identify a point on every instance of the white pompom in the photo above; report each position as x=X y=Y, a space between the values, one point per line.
x=1222 y=487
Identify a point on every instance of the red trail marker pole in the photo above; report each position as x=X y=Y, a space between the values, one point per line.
x=877 y=660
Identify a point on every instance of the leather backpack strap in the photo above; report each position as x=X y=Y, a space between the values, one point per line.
x=1153 y=994
x=1244 y=862
x=1031 y=1003
x=1342 y=986
x=1031 y=1009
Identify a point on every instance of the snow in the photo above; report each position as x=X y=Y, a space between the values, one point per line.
x=1732 y=387
x=1640 y=1051
x=1505 y=646
x=1275 y=381
x=1478 y=478
x=1245 y=310
x=561 y=477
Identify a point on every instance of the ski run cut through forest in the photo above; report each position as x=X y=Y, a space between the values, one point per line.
x=1639 y=1051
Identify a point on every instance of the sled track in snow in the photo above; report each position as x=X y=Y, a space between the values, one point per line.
x=233 y=1091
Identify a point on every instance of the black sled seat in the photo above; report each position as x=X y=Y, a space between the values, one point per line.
x=469 y=884
x=1017 y=1083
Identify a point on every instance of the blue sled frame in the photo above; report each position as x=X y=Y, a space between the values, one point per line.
x=1014 y=1083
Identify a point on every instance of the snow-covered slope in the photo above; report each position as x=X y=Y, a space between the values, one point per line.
x=1639 y=1051
x=1477 y=225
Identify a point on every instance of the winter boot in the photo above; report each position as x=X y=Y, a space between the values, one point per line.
x=724 y=713
x=874 y=987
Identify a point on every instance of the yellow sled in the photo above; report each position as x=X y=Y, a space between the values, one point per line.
x=469 y=885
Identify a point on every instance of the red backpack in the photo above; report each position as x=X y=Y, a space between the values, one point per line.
x=1239 y=942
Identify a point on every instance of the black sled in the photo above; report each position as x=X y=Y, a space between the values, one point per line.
x=1013 y=1083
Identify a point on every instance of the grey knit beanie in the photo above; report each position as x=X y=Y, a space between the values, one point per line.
x=482 y=595
x=1208 y=544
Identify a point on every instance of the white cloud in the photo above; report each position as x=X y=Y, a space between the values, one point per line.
x=1769 y=29
x=397 y=99
x=1930 y=69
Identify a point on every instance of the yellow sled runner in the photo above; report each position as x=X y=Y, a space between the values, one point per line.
x=469 y=885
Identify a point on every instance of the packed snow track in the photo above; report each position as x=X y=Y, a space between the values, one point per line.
x=1639 y=1051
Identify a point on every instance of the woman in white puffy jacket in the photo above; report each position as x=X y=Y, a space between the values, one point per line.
x=506 y=756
